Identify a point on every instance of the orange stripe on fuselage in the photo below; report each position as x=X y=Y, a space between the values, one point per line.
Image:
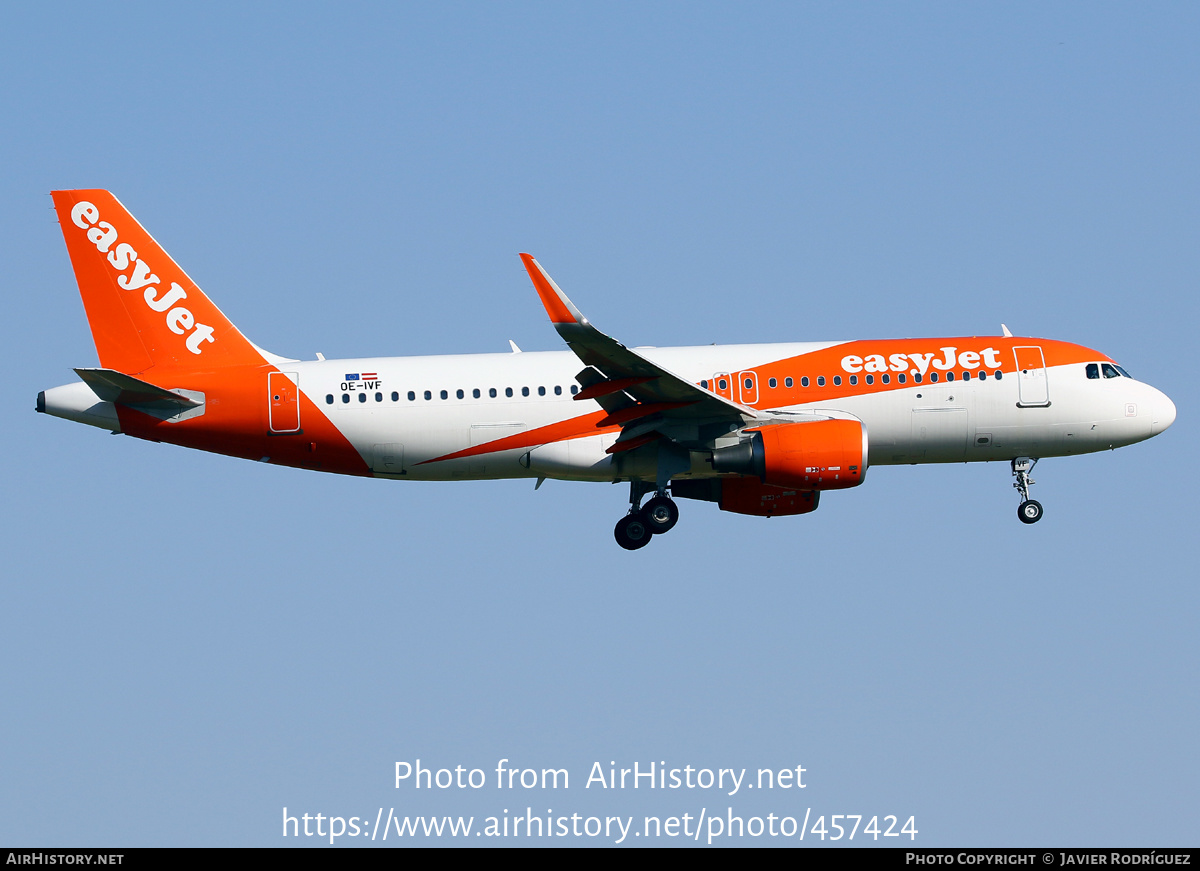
x=542 y=435
x=829 y=363
x=235 y=423
x=826 y=362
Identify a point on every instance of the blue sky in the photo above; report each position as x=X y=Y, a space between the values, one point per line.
x=193 y=642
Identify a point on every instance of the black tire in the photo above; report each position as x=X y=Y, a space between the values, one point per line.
x=1030 y=511
x=632 y=532
x=660 y=514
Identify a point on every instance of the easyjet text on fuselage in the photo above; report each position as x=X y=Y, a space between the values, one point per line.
x=949 y=358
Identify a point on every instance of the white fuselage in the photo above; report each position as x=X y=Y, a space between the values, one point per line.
x=928 y=423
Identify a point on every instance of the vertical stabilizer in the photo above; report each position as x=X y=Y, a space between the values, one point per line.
x=144 y=311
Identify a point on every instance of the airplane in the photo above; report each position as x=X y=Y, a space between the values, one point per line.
x=759 y=429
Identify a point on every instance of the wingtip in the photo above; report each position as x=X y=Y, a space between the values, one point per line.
x=553 y=299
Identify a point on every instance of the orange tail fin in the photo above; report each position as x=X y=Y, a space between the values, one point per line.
x=144 y=311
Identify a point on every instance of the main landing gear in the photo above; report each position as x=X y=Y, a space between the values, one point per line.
x=1030 y=510
x=657 y=516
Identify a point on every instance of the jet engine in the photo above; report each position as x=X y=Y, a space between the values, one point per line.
x=814 y=455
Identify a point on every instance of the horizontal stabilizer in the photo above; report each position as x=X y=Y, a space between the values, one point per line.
x=121 y=389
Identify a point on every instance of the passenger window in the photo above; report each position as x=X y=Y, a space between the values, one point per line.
x=854 y=379
x=379 y=397
x=917 y=377
x=492 y=392
x=722 y=384
x=444 y=395
x=558 y=390
x=345 y=397
x=870 y=379
x=329 y=399
x=837 y=380
x=508 y=391
x=395 y=396
x=886 y=379
x=704 y=383
x=475 y=393
x=949 y=376
x=788 y=382
x=459 y=394
x=524 y=391
x=901 y=378
x=933 y=378
x=999 y=375
x=1110 y=371
x=428 y=395
x=966 y=376
x=820 y=380
x=574 y=389
x=362 y=397
x=541 y=391
x=771 y=382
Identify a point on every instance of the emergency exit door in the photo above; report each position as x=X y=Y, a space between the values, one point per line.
x=747 y=383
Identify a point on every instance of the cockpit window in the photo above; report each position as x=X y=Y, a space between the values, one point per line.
x=1110 y=370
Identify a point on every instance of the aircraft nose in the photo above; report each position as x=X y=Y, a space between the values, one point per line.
x=1164 y=413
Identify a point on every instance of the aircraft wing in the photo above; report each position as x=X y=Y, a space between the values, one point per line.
x=642 y=397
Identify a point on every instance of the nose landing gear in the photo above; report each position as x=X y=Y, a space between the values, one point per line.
x=1030 y=510
x=657 y=516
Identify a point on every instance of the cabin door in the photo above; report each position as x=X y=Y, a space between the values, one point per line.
x=283 y=402
x=1031 y=377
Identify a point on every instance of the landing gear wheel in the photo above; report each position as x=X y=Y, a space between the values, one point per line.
x=660 y=514
x=1030 y=511
x=632 y=532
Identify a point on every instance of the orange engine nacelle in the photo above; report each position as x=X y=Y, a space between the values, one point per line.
x=817 y=455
